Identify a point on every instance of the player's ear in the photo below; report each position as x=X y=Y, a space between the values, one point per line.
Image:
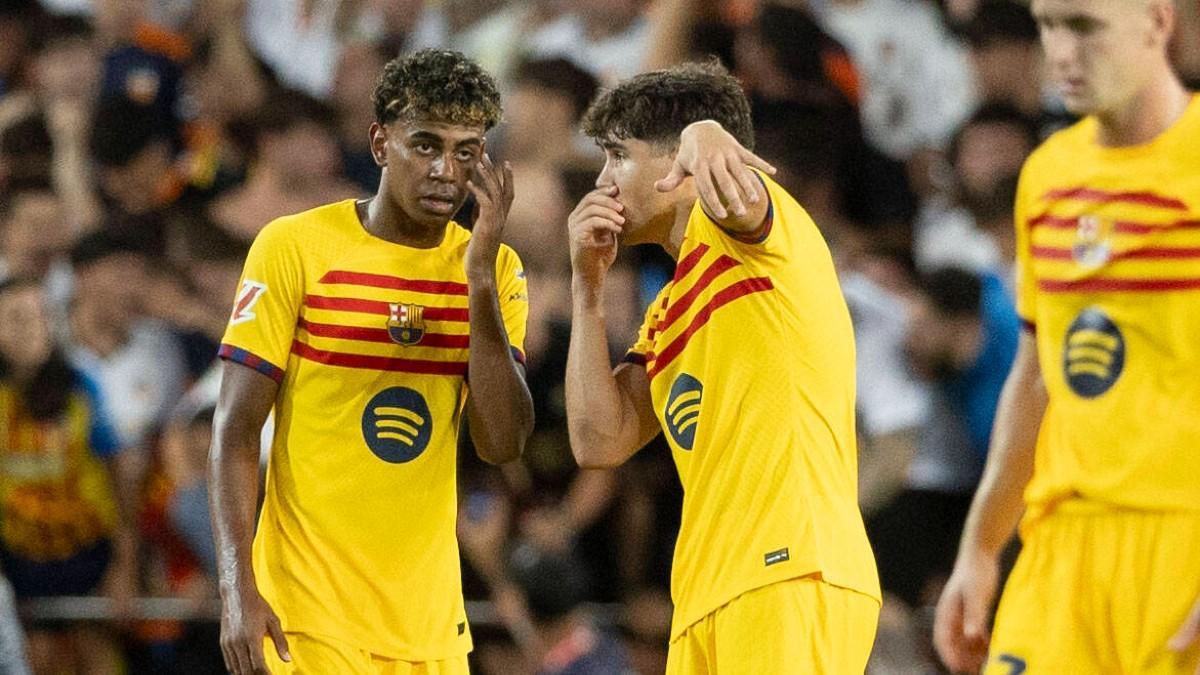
x=379 y=138
x=1162 y=22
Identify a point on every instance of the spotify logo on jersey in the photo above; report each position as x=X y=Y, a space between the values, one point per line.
x=1093 y=353
x=396 y=425
x=682 y=413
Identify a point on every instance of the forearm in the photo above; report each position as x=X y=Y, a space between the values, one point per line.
x=594 y=409
x=233 y=500
x=998 y=503
x=127 y=470
x=500 y=407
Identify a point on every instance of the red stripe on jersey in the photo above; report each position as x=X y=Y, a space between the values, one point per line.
x=381 y=335
x=721 y=298
x=1102 y=196
x=380 y=307
x=1050 y=253
x=1149 y=253
x=387 y=363
x=1119 y=227
x=689 y=261
x=685 y=301
x=395 y=283
x=1117 y=285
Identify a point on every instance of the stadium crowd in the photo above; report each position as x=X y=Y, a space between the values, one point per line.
x=143 y=144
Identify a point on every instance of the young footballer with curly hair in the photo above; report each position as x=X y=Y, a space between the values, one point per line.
x=359 y=322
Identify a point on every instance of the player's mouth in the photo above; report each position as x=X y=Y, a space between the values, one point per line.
x=1074 y=86
x=440 y=204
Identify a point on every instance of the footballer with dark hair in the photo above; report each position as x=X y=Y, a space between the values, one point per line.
x=358 y=322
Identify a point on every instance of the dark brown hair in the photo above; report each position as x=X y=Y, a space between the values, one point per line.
x=655 y=107
x=440 y=85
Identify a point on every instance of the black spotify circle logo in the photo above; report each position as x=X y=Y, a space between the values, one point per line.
x=1093 y=353
x=397 y=425
x=683 y=410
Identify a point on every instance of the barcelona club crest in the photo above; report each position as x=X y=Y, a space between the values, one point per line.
x=1092 y=241
x=406 y=323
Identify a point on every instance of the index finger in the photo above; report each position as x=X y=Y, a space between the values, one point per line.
x=757 y=162
x=510 y=189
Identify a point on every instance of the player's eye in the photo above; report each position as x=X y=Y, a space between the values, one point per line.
x=424 y=148
x=465 y=155
x=1082 y=25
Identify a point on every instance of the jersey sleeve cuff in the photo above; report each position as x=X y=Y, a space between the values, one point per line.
x=251 y=360
x=636 y=358
x=759 y=235
x=517 y=354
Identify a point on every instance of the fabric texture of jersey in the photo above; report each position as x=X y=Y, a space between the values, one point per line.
x=1108 y=267
x=750 y=354
x=369 y=340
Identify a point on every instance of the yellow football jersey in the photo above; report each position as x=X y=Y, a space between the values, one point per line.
x=1108 y=262
x=369 y=341
x=750 y=355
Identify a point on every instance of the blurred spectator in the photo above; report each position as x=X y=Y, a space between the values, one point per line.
x=65 y=485
x=608 y=38
x=554 y=585
x=917 y=81
x=302 y=41
x=497 y=41
x=1005 y=54
x=353 y=86
x=17 y=21
x=132 y=147
x=133 y=360
x=985 y=156
x=12 y=640
x=543 y=111
x=34 y=233
x=295 y=167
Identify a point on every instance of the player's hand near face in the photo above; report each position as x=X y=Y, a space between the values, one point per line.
x=593 y=228
x=721 y=169
x=493 y=190
x=245 y=620
x=960 y=631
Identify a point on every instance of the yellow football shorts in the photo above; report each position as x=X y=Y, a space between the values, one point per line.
x=797 y=626
x=318 y=654
x=1099 y=590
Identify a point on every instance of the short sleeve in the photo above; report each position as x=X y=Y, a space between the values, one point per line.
x=102 y=433
x=1026 y=281
x=645 y=340
x=262 y=324
x=513 y=289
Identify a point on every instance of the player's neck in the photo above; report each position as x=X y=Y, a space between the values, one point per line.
x=383 y=218
x=1157 y=107
x=675 y=224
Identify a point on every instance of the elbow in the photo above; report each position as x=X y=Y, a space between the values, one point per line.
x=594 y=452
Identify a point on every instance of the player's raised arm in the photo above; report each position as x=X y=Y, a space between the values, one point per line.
x=960 y=628
x=245 y=401
x=609 y=412
x=500 y=408
x=729 y=191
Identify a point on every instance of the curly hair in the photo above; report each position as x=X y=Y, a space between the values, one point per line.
x=437 y=84
x=655 y=107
